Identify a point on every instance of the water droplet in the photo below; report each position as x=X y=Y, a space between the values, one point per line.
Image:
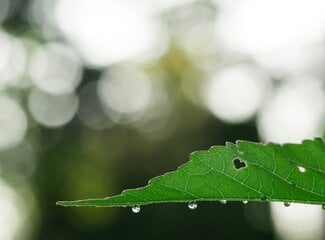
x=286 y=204
x=136 y=209
x=245 y=202
x=323 y=206
x=264 y=198
x=192 y=205
x=301 y=169
x=223 y=201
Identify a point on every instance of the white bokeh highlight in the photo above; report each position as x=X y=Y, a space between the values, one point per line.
x=106 y=32
x=55 y=69
x=52 y=110
x=12 y=60
x=13 y=123
x=91 y=111
x=295 y=112
x=261 y=26
x=235 y=93
x=10 y=218
x=274 y=33
x=298 y=222
x=125 y=91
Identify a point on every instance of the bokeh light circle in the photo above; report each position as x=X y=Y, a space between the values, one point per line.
x=106 y=32
x=10 y=217
x=55 y=69
x=12 y=60
x=295 y=112
x=91 y=112
x=52 y=110
x=13 y=122
x=262 y=26
x=235 y=93
x=298 y=222
x=125 y=90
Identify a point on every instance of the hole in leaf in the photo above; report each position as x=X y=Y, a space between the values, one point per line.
x=301 y=169
x=239 y=164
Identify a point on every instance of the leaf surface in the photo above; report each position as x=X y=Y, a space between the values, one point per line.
x=244 y=171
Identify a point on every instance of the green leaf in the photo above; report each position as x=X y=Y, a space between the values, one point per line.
x=244 y=171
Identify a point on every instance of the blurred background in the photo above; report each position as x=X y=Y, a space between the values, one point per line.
x=97 y=96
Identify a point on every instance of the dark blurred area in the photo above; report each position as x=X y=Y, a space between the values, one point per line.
x=97 y=96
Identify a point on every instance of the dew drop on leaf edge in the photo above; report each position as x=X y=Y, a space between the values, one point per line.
x=245 y=202
x=223 y=201
x=323 y=206
x=136 y=209
x=264 y=198
x=286 y=204
x=192 y=205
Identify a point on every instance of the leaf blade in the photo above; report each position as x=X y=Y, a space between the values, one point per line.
x=268 y=172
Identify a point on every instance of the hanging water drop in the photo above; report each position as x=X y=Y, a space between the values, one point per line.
x=286 y=204
x=192 y=205
x=245 y=202
x=264 y=198
x=323 y=206
x=136 y=209
x=223 y=201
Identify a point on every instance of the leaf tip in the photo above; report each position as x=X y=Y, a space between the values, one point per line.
x=65 y=203
x=60 y=203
